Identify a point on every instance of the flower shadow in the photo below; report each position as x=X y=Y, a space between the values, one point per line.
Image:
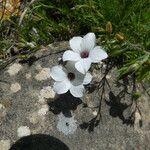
x=117 y=108
x=64 y=103
x=123 y=105
x=39 y=142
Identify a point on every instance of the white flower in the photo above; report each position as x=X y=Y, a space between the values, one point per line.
x=84 y=52
x=69 y=78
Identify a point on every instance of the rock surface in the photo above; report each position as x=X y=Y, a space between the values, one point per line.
x=28 y=100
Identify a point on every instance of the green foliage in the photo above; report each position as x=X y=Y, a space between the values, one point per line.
x=136 y=95
x=128 y=41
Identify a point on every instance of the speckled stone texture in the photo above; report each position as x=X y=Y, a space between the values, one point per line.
x=28 y=105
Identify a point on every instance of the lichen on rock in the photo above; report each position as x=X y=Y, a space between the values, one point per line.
x=44 y=74
x=15 y=87
x=14 y=69
x=4 y=144
x=23 y=131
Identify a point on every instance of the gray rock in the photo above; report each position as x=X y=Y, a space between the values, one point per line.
x=25 y=101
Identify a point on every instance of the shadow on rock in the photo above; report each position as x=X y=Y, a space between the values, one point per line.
x=117 y=108
x=64 y=103
x=29 y=60
x=94 y=122
x=39 y=142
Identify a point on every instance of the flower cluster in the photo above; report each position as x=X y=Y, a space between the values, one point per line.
x=74 y=75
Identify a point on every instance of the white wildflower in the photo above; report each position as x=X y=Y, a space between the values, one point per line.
x=69 y=79
x=84 y=52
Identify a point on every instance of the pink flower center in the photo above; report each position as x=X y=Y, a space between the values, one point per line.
x=84 y=54
x=71 y=76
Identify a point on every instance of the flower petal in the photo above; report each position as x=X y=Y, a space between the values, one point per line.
x=70 y=66
x=83 y=65
x=70 y=55
x=57 y=73
x=87 y=78
x=97 y=54
x=79 y=78
x=75 y=43
x=77 y=91
x=62 y=86
x=89 y=41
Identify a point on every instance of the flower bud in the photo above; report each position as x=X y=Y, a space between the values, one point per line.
x=109 y=27
x=120 y=36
